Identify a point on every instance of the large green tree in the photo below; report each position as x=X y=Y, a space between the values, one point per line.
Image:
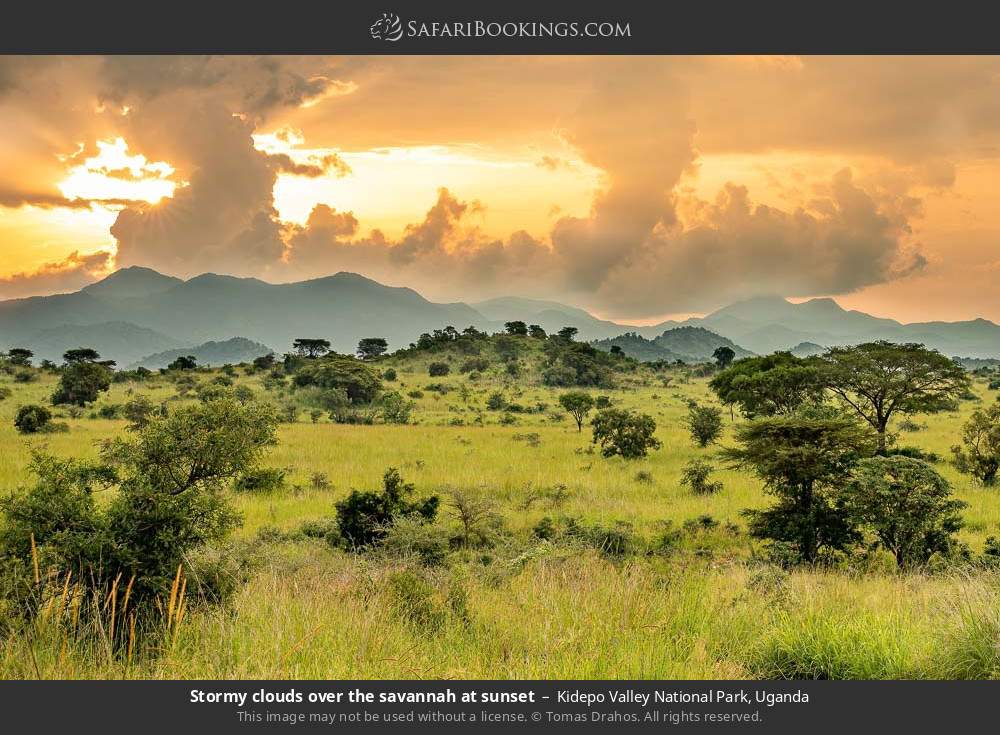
x=770 y=385
x=371 y=347
x=81 y=382
x=906 y=504
x=802 y=459
x=881 y=379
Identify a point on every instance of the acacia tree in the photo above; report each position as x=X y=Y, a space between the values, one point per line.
x=371 y=347
x=771 y=385
x=801 y=459
x=567 y=333
x=516 y=328
x=536 y=331
x=81 y=354
x=20 y=356
x=723 y=356
x=980 y=455
x=577 y=404
x=880 y=379
x=906 y=504
x=311 y=346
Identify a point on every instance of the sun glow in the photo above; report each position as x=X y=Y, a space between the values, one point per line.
x=116 y=176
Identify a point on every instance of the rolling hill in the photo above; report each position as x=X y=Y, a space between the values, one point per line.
x=210 y=354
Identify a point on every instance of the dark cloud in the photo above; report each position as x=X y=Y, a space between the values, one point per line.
x=69 y=274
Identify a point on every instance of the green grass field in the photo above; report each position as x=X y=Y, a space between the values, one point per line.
x=532 y=609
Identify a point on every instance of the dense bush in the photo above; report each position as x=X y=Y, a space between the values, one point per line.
x=260 y=480
x=359 y=381
x=438 y=369
x=704 y=423
x=364 y=516
x=695 y=476
x=979 y=455
x=394 y=408
x=624 y=433
x=31 y=419
x=906 y=505
x=169 y=476
x=474 y=365
x=81 y=382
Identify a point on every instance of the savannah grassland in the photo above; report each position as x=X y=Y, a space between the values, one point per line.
x=711 y=608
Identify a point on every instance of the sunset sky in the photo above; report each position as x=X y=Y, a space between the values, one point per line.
x=636 y=187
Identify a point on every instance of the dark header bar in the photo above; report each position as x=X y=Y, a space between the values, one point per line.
x=511 y=27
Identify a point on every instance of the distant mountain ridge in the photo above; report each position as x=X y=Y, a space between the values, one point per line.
x=138 y=312
x=210 y=354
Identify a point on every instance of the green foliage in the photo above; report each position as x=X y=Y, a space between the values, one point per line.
x=412 y=536
x=577 y=364
x=880 y=379
x=438 y=369
x=980 y=454
x=260 y=480
x=311 y=347
x=183 y=362
x=81 y=354
x=363 y=517
x=624 y=433
x=474 y=365
x=81 y=382
x=723 y=356
x=168 y=504
x=389 y=374
x=5 y=392
x=371 y=347
x=358 y=380
x=802 y=460
x=704 y=423
x=771 y=385
x=577 y=404
x=394 y=408
x=496 y=401
x=906 y=504
x=32 y=419
x=480 y=525
x=516 y=328
x=138 y=411
x=695 y=475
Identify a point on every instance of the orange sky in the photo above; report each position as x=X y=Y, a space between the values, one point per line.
x=636 y=187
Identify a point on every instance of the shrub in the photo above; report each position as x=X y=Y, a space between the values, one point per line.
x=413 y=536
x=168 y=505
x=704 y=423
x=81 y=382
x=109 y=411
x=364 y=516
x=602 y=402
x=695 y=476
x=496 y=401
x=5 y=392
x=479 y=523
x=260 y=480
x=32 y=419
x=25 y=376
x=475 y=365
x=980 y=454
x=413 y=599
x=438 y=369
x=138 y=411
x=359 y=381
x=624 y=433
x=395 y=409
x=389 y=374
x=907 y=505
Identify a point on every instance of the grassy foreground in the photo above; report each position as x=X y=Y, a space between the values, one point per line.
x=529 y=608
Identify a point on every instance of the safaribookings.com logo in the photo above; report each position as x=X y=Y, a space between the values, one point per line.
x=390 y=28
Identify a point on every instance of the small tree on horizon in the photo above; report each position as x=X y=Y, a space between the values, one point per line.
x=516 y=328
x=20 y=356
x=371 y=347
x=311 y=346
x=183 y=362
x=568 y=333
x=81 y=354
x=536 y=331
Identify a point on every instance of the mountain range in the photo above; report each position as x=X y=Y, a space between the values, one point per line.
x=136 y=313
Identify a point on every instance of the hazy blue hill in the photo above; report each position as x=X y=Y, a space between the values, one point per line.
x=345 y=307
x=119 y=341
x=213 y=354
x=131 y=282
x=697 y=343
x=639 y=347
x=807 y=349
x=689 y=344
